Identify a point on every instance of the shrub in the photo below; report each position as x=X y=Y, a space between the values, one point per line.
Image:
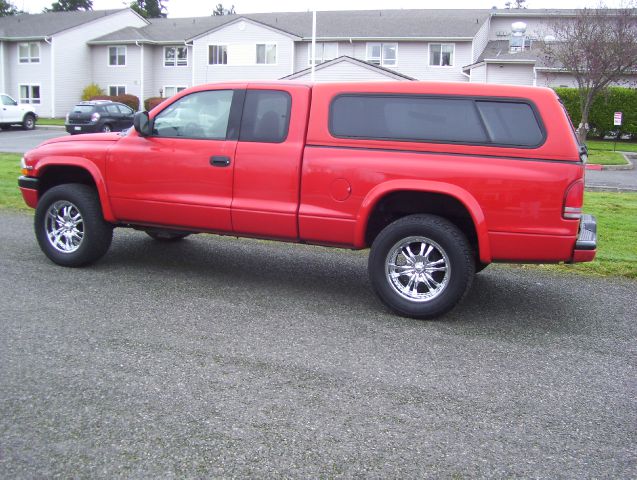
x=91 y=90
x=614 y=99
x=152 y=102
x=131 y=100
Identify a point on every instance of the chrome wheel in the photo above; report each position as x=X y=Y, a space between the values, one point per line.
x=64 y=226
x=417 y=268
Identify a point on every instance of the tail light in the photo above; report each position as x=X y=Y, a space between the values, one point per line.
x=95 y=117
x=573 y=201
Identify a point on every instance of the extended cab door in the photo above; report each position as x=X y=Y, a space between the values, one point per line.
x=182 y=174
x=268 y=158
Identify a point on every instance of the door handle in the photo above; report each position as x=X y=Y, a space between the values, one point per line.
x=219 y=161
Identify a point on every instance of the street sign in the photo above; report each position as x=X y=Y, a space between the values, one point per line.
x=617 y=118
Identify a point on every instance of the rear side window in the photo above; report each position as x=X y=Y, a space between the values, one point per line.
x=266 y=116
x=509 y=123
x=473 y=121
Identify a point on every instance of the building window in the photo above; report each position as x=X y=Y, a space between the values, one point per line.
x=384 y=54
x=325 y=51
x=29 y=94
x=175 y=56
x=171 y=90
x=29 y=53
x=217 y=54
x=441 y=54
x=115 y=90
x=266 y=53
x=117 y=56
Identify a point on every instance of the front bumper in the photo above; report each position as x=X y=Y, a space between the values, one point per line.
x=586 y=244
x=29 y=188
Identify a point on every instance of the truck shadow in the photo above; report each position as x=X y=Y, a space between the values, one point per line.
x=502 y=298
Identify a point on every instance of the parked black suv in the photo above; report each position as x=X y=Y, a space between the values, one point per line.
x=99 y=116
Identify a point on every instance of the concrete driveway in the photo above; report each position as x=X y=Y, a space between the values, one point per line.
x=220 y=358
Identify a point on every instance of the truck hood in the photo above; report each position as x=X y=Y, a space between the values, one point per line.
x=87 y=137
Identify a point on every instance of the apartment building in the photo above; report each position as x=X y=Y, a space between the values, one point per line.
x=47 y=59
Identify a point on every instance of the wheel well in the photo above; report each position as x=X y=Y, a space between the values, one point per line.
x=58 y=175
x=400 y=204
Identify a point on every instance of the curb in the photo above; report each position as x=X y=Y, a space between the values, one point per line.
x=50 y=127
x=609 y=188
x=628 y=157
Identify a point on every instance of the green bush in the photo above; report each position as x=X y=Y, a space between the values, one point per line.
x=614 y=99
x=91 y=90
x=152 y=102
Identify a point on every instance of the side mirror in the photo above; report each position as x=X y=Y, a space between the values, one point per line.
x=143 y=124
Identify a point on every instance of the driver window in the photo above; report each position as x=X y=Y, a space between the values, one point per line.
x=8 y=100
x=198 y=115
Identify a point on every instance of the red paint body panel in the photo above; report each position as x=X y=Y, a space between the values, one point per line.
x=30 y=196
x=316 y=188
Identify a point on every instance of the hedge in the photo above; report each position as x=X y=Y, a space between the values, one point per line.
x=614 y=99
x=152 y=102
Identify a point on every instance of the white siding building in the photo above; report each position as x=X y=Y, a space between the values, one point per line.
x=48 y=59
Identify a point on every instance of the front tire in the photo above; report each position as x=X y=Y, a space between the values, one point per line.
x=106 y=128
x=70 y=227
x=166 y=236
x=421 y=266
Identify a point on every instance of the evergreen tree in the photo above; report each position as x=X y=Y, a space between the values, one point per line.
x=150 y=8
x=219 y=10
x=70 y=6
x=7 y=9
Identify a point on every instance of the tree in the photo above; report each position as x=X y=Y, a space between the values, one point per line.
x=7 y=9
x=598 y=47
x=150 y=8
x=70 y=6
x=219 y=10
x=515 y=4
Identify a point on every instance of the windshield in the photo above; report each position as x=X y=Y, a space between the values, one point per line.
x=83 y=108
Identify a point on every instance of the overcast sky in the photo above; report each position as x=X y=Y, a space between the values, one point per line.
x=196 y=8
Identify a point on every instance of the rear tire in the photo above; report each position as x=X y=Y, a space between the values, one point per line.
x=70 y=227
x=28 y=123
x=106 y=128
x=421 y=266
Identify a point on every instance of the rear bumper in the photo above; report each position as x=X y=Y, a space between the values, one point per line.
x=29 y=189
x=586 y=244
x=82 y=128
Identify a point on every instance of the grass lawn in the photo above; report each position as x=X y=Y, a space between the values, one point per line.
x=616 y=221
x=608 y=146
x=603 y=157
x=616 y=215
x=10 y=196
x=50 y=121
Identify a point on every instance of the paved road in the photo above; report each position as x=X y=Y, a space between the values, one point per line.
x=625 y=180
x=224 y=357
x=19 y=141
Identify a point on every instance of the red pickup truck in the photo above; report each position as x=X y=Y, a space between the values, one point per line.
x=437 y=179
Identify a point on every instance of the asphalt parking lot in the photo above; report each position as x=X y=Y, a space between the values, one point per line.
x=19 y=141
x=218 y=357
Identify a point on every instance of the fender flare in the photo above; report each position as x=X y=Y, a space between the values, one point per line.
x=91 y=168
x=424 y=186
